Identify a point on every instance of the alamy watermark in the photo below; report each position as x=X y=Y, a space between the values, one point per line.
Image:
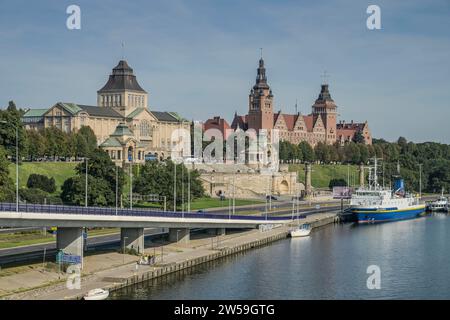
x=74 y=277
x=374 y=20
x=232 y=147
x=73 y=21
x=374 y=280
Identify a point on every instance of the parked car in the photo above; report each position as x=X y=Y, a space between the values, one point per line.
x=268 y=197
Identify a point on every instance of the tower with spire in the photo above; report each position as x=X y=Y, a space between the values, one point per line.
x=325 y=108
x=260 y=102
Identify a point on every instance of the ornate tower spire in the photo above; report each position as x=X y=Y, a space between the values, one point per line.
x=261 y=78
x=260 y=101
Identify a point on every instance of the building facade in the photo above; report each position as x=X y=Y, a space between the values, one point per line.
x=120 y=102
x=319 y=126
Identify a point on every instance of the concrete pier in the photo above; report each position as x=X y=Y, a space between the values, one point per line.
x=132 y=238
x=70 y=241
x=180 y=235
x=216 y=231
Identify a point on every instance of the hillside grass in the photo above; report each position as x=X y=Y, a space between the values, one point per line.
x=204 y=203
x=60 y=171
x=323 y=173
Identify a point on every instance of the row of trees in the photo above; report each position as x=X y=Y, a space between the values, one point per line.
x=352 y=152
x=49 y=142
x=152 y=178
x=430 y=159
x=160 y=178
x=53 y=143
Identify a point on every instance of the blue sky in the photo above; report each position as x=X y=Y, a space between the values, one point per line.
x=199 y=57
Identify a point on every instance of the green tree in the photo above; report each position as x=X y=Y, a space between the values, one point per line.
x=158 y=178
x=307 y=151
x=12 y=118
x=42 y=182
x=56 y=142
x=37 y=144
x=337 y=183
x=101 y=182
x=86 y=140
x=322 y=152
x=358 y=137
x=363 y=153
x=99 y=191
x=6 y=183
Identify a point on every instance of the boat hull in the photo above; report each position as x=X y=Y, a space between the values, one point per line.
x=381 y=215
x=300 y=233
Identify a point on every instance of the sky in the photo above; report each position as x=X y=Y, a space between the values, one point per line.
x=199 y=57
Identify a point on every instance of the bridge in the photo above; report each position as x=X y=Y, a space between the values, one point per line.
x=70 y=221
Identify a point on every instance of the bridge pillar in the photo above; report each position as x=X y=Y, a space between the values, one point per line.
x=70 y=241
x=216 y=231
x=132 y=238
x=180 y=235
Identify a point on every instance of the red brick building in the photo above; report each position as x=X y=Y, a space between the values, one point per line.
x=319 y=126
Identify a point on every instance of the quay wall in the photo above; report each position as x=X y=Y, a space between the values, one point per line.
x=163 y=270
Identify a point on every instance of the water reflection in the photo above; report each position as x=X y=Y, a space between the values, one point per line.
x=332 y=263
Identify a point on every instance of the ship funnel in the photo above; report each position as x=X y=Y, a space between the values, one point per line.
x=399 y=186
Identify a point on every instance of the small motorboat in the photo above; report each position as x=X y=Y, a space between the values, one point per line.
x=301 y=231
x=97 y=294
x=439 y=205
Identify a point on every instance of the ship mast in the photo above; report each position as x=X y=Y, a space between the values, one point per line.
x=375 y=178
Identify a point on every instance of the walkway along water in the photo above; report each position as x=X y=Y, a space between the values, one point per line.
x=181 y=257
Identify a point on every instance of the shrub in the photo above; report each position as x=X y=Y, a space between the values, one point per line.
x=337 y=183
x=34 y=195
x=42 y=182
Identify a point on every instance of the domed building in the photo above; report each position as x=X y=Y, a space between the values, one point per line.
x=122 y=107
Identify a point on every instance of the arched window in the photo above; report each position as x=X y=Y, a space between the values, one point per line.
x=145 y=129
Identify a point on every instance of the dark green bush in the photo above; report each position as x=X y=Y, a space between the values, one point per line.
x=42 y=182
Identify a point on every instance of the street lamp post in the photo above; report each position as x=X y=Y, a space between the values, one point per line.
x=420 y=181
x=131 y=184
x=117 y=188
x=189 y=191
x=234 y=193
x=174 y=186
x=86 y=184
x=17 y=162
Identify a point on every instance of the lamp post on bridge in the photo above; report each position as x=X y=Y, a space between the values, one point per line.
x=17 y=161
x=86 y=183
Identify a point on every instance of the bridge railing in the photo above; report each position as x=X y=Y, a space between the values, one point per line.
x=137 y=212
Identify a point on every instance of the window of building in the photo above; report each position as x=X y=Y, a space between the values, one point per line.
x=145 y=129
x=119 y=154
x=66 y=125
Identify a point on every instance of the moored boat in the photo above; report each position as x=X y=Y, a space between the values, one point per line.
x=301 y=231
x=439 y=205
x=378 y=204
x=96 y=294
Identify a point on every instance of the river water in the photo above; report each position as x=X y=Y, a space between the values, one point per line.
x=413 y=257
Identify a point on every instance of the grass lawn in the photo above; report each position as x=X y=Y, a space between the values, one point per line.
x=322 y=174
x=11 y=240
x=60 y=171
x=204 y=203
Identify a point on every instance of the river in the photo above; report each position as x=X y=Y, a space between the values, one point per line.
x=413 y=257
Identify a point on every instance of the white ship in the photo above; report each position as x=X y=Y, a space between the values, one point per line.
x=378 y=204
x=440 y=205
